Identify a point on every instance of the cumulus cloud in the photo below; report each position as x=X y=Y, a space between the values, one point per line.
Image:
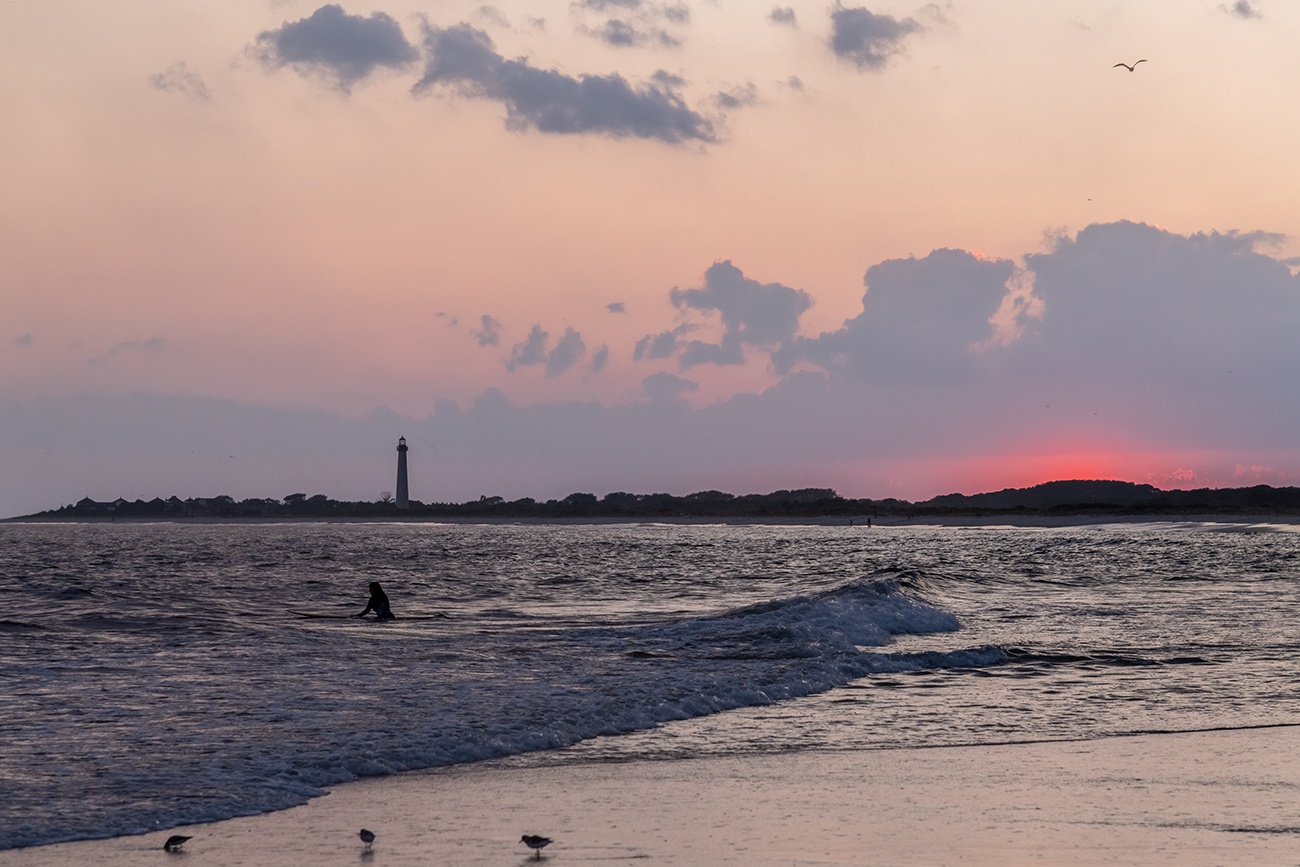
x=464 y=60
x=922 y=322
x=865 y=39
x=568 y=351
x=178 y=78
x=616 y=307
x=1199 y=311
x=489 y=332
x=1242 y=9
x=23 y=340
x=783 y=15
x=342 y=48
x=633 y=23
x=531 y=350
x=661 y=345
x=600 y=359
x=763 y=315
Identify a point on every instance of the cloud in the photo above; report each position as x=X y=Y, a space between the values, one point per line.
x=922 y=322
x=1196 y=312
x=740 y=96
x=661 y=345
x=23 y=340
x=599 y=359
x=633 y=23
x=763 y=315
x=783 y=16
x=464 y=59
x=178 y=78
x=865 y=39
x=616 y=307
x=567 y=352
x=151 y=346
x=662 y=387
x=1242 y=9
x=492 y=15
x=342 y=48
x=489 y=334
x=530 y=350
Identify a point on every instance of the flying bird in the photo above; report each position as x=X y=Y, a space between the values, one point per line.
x=535 y=842
x=174 y=843
x=1127 y=66
x=367 y=837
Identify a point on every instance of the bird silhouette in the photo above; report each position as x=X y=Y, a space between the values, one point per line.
x=1127 y=66
x=367 y=837
x=174 y=843
x=535 y=842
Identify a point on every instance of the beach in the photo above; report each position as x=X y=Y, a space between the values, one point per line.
x=1200 y=798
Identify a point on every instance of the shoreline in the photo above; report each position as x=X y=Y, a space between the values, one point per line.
x=855 y=521
x=1189 y=798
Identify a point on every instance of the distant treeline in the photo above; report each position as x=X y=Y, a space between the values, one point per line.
x=1051 y=498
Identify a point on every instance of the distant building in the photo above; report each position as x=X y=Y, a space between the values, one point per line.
x=403 y=497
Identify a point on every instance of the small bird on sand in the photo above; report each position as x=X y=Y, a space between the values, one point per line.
x=534 y=842
x=1127 y=66
x=174 y=843
x=367 y=837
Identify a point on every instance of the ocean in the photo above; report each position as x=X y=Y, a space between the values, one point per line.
x=154 y=675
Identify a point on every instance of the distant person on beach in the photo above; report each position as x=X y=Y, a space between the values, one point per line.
x=378 y=603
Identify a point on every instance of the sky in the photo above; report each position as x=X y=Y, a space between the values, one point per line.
x=895 y=249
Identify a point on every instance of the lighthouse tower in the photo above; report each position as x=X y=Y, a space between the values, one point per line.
x=403 y=499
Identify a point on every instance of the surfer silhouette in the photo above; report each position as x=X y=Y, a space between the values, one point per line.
x=378 y=603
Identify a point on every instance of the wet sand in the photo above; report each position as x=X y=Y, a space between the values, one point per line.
x=1202 y=798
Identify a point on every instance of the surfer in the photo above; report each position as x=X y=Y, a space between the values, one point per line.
x=378 y=603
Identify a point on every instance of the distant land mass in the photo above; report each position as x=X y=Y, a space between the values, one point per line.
x=1063 y=498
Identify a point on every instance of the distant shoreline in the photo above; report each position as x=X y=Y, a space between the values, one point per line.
x=1022 y=520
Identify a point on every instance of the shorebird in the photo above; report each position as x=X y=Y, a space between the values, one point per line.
x=534 y=842
x=174 y=843
x=367 y=837
x=1127 y=66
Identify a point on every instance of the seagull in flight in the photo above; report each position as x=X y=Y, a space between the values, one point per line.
x=1127 y=66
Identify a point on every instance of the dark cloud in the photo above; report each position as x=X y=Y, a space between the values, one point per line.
x=178 y=78
x=923 y=321
x=763 y=315
x=465 y=60
x=1194 y=311
x=865 y=39
x=568 y=351
x=616 y=307
x=599 y=359
x=1242 y=9
x=489 y=332
x=531 y=350
x=782 y=15
x=23 y=340
x=343 y=48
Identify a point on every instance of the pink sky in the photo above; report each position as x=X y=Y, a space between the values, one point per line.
x=893 y=249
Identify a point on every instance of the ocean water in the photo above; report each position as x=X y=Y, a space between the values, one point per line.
x=154 y=675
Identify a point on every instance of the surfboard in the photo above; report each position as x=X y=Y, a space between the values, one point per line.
x=318 y=616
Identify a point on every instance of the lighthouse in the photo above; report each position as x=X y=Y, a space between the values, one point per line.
x=403 y=499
